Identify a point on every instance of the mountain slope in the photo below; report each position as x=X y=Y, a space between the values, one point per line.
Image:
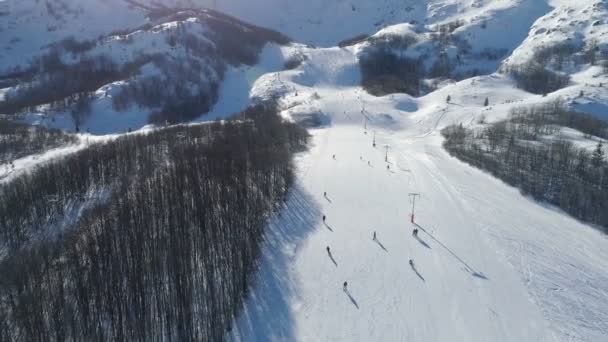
x=490 y=264
x=166 y=69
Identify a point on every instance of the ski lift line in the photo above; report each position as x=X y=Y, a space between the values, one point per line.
x=413 y=196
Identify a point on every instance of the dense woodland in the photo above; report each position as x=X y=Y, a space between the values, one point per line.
x=384 y=72
x=394 y=63
x=149 y=237
x=526 y=151
x=388 y=66
x=18 y=140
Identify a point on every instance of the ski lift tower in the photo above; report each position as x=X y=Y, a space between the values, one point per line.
x=386 y=153
x=413 y=196
x=374 y=142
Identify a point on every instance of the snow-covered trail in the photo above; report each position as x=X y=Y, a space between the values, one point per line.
x=479 y=239
x=490 y=264
x=461 y=291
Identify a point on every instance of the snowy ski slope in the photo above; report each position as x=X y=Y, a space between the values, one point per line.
x=490 y=264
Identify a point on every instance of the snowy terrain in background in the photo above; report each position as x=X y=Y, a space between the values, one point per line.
x=510 y=31
x=490 y=264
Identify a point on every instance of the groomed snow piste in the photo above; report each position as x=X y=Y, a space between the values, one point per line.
x=490 y=263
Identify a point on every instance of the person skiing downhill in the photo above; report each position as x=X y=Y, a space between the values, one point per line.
x=323 y=218
x=328 y=250
x=415 y=232
x=374 y=238
x=325 y=194
x=345 y=287
x=412 y=263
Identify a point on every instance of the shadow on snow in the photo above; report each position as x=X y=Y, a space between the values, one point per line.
x=468 y=268
x=266 y=313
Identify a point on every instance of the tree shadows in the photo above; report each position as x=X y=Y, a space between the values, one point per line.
x=468 y=268
x=266 y=311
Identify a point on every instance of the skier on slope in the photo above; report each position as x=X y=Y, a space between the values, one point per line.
x=345 y=287
x=412 y=263
x=323 y=218
x=415 y=232
x=374 y=238
x=325 y=194
x=328 y=250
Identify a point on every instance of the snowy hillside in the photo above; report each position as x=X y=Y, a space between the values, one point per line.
x=453 y=40
x=154 y=67
x=489 y=263
x=325 y=23
x=29 y=26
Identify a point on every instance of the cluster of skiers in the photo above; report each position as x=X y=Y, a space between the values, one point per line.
x=374 y=237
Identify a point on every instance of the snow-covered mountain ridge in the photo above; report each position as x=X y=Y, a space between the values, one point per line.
x=453 y=39
x=158 y=66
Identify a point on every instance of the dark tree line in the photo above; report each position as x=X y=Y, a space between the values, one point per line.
x=167 y=249
x=542 y=74
x=387 y=68
x=354 y=40
x=546 y=118
x=383 y=72
x=18 y=140
x=551 y=170
x=185 y=90
x=535 y=78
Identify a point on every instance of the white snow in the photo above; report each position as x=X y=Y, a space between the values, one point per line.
x=490 y=264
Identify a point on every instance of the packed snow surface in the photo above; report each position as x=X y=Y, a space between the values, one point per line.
x=489 y=264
